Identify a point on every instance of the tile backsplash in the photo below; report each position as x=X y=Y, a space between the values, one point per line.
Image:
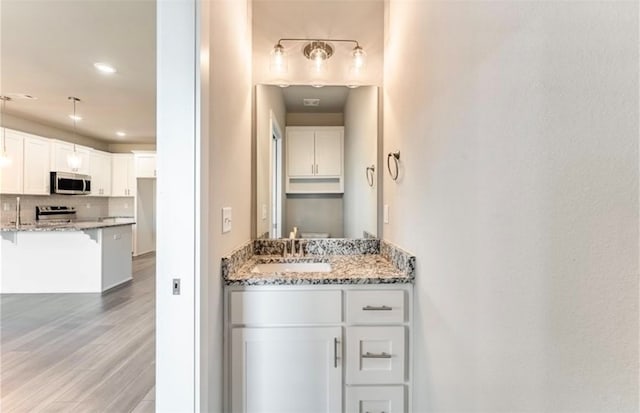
x=87 y=207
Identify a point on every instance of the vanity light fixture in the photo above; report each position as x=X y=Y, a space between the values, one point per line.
x=73 y=160
x=5 y=159
x=318 y=51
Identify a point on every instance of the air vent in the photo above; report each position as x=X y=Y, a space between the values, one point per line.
x=311 y=102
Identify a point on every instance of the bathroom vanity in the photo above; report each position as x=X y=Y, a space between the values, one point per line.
x=330 y=341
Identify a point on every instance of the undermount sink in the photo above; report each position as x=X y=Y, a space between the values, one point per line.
x=292 y=267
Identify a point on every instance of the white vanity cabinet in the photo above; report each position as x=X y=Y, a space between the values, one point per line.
x=321 y=348
x=315 y=159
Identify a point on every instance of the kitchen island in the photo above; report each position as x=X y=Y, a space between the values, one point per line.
x=76 y=257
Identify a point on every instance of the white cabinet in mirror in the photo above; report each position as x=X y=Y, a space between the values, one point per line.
x=311 y=161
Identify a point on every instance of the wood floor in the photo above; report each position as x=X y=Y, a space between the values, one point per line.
x=80 y=352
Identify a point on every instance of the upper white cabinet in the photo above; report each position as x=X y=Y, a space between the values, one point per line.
x=100 y=173
x=145 y=164
x=315 y=158
x=37 y=153
x=123 y=179
x=12 y=174
x=61 y=151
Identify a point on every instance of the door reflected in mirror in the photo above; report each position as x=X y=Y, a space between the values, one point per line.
x=316 y=162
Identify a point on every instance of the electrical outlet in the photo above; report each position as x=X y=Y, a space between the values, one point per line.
x=226 y=219
x=6 y=206
x=88 y=205
x=385 y=214
x=126 y=206
x=264 y=211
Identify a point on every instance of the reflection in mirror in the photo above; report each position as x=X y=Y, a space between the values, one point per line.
x=316 y=161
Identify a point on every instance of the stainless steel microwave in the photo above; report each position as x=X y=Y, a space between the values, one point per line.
x=70 y=184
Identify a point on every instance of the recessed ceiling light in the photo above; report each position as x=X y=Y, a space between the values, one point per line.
x=75 y=117
x=104 y=67
x=121 y=134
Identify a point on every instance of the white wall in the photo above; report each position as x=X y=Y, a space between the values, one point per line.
x=269 y=99
x=517 y=124
x=26 y=125
x=229 y=169
x=360 y=151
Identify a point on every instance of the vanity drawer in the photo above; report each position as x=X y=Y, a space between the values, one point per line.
x=376 y=306
x=375 y=399
x=375 y=355
x=285 y=307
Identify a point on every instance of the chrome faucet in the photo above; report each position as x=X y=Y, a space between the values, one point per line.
x=18 y=212
x=285 y=248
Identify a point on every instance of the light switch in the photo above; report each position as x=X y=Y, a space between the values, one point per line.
x=226 y=219
x=264 y=211
x=385 y=214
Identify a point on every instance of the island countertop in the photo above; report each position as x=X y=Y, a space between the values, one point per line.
x=67 y=226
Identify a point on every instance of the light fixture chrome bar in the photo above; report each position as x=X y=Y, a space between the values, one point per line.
x=316 y=39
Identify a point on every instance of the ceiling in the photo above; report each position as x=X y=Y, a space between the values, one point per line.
x=332 y=98
x=48 y=48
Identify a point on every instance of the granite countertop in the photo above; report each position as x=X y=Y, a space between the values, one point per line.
x=345 y=269
x=68 y=226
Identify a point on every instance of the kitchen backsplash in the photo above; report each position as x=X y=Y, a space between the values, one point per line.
x=87 y=207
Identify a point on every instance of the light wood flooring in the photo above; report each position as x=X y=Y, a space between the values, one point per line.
x=80 y=352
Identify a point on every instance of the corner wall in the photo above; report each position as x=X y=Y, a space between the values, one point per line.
x=227 y=101
x=517 y=124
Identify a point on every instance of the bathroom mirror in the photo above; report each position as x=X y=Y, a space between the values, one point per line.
x=316 y=161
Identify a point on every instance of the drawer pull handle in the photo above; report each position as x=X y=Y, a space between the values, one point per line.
x=383 y=355
x=374 y=308
x=335 y=352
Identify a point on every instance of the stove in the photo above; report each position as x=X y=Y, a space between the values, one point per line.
x=55 y=214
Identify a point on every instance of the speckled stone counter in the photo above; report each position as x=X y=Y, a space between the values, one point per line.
x=352 y=262
x=71 y=226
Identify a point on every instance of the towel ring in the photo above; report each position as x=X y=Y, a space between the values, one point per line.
x=396 y=158
x=371 y=169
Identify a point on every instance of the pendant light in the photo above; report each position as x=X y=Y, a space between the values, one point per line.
x=5 y=159
x=73 y=160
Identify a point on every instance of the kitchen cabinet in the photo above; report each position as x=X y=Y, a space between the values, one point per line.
x=61 y=151
x=145 y=164
x=123 y=180
x=315 y=158
x=37 y=154
x=287 y=347
x=100 y=166
x=11 y=175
